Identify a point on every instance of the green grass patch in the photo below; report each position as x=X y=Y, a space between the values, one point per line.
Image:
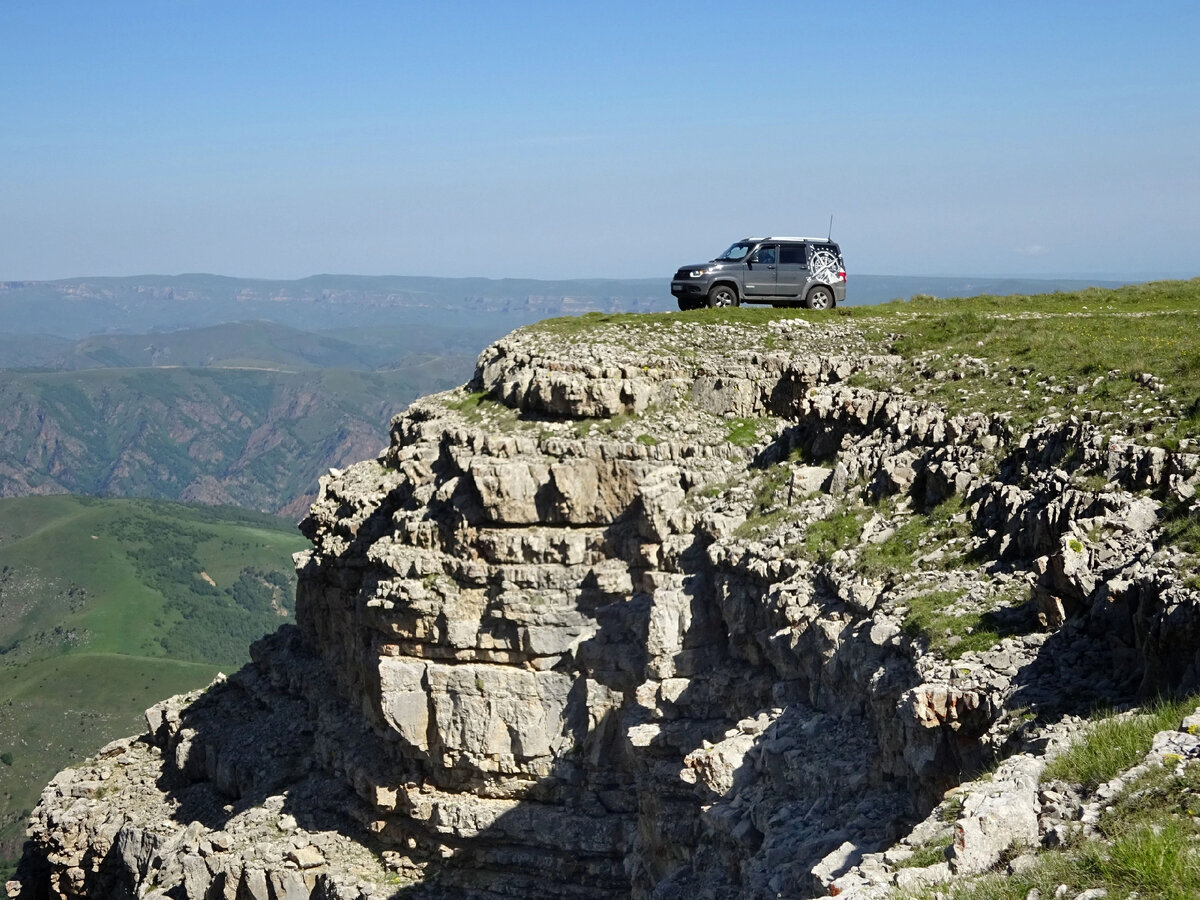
x=1114 y=744
x=1149 y=834
x=925 y=855
x=949 y=811
x=108 y=606
x=920 y=534
x=1153 y=793
x=469 y=402
x=840 y=531
x=894 y=555
x=479 y=407
x=948 y=633
x=767 y=508
x=1181 y=526
x=636 y=323
x=575 y=325
x=1066 y=340
x=1157 y=861
x=744 y=432
x=1094 y=481
x=1014 y=354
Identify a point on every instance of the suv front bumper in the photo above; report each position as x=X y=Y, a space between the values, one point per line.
x=689 y=288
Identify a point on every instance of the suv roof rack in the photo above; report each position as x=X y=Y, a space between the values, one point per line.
x=781 y=237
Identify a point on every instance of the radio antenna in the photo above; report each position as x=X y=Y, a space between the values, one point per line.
x=830 y=237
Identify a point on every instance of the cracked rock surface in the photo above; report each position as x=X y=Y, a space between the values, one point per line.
x=678 y=611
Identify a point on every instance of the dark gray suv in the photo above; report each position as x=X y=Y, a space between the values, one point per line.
x=782 y=271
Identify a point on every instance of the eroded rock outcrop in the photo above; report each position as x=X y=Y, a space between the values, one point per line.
x=664 y=612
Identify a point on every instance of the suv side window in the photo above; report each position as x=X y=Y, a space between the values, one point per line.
x=792 y=254
x=765 y=255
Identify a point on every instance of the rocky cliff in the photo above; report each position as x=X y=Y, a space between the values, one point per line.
x=662 y=606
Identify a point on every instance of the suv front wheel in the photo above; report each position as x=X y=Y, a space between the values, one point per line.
x=819 y=298
x=722 y=295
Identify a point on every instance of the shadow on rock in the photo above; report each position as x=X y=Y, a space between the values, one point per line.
x=249 y=750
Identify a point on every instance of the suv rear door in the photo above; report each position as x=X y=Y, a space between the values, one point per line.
x=825 y=263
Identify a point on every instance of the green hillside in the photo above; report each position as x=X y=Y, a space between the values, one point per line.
x=21 y=351
x=247 y=437
x=258 y=344
x=106 y=607
x=251 y=344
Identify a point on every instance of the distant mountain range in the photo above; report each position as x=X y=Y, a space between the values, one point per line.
x=242 y=391
x=250 y=437
x=246 y=345
x=78 y=307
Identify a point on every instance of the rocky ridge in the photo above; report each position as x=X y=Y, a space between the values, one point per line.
x=659 y=607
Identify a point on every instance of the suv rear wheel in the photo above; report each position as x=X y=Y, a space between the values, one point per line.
x=819 y=298
x=722 y=295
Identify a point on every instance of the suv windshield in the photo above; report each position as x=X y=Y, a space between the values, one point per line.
x=737 y=251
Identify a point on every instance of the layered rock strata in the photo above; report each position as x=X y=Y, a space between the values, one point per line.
x=636 y=614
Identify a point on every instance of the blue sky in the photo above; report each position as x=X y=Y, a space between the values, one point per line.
x=500 y=139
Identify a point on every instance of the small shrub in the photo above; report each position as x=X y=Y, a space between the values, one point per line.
x=1093 y=482
x=951 y=808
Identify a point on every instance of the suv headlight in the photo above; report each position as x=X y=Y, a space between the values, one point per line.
x=696 y=273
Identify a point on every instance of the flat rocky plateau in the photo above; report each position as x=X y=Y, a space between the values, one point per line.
x=680 y=606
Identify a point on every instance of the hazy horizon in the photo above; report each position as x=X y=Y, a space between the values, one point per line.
x=1015 y=276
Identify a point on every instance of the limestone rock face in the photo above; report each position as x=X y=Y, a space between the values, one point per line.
x=641 y=615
